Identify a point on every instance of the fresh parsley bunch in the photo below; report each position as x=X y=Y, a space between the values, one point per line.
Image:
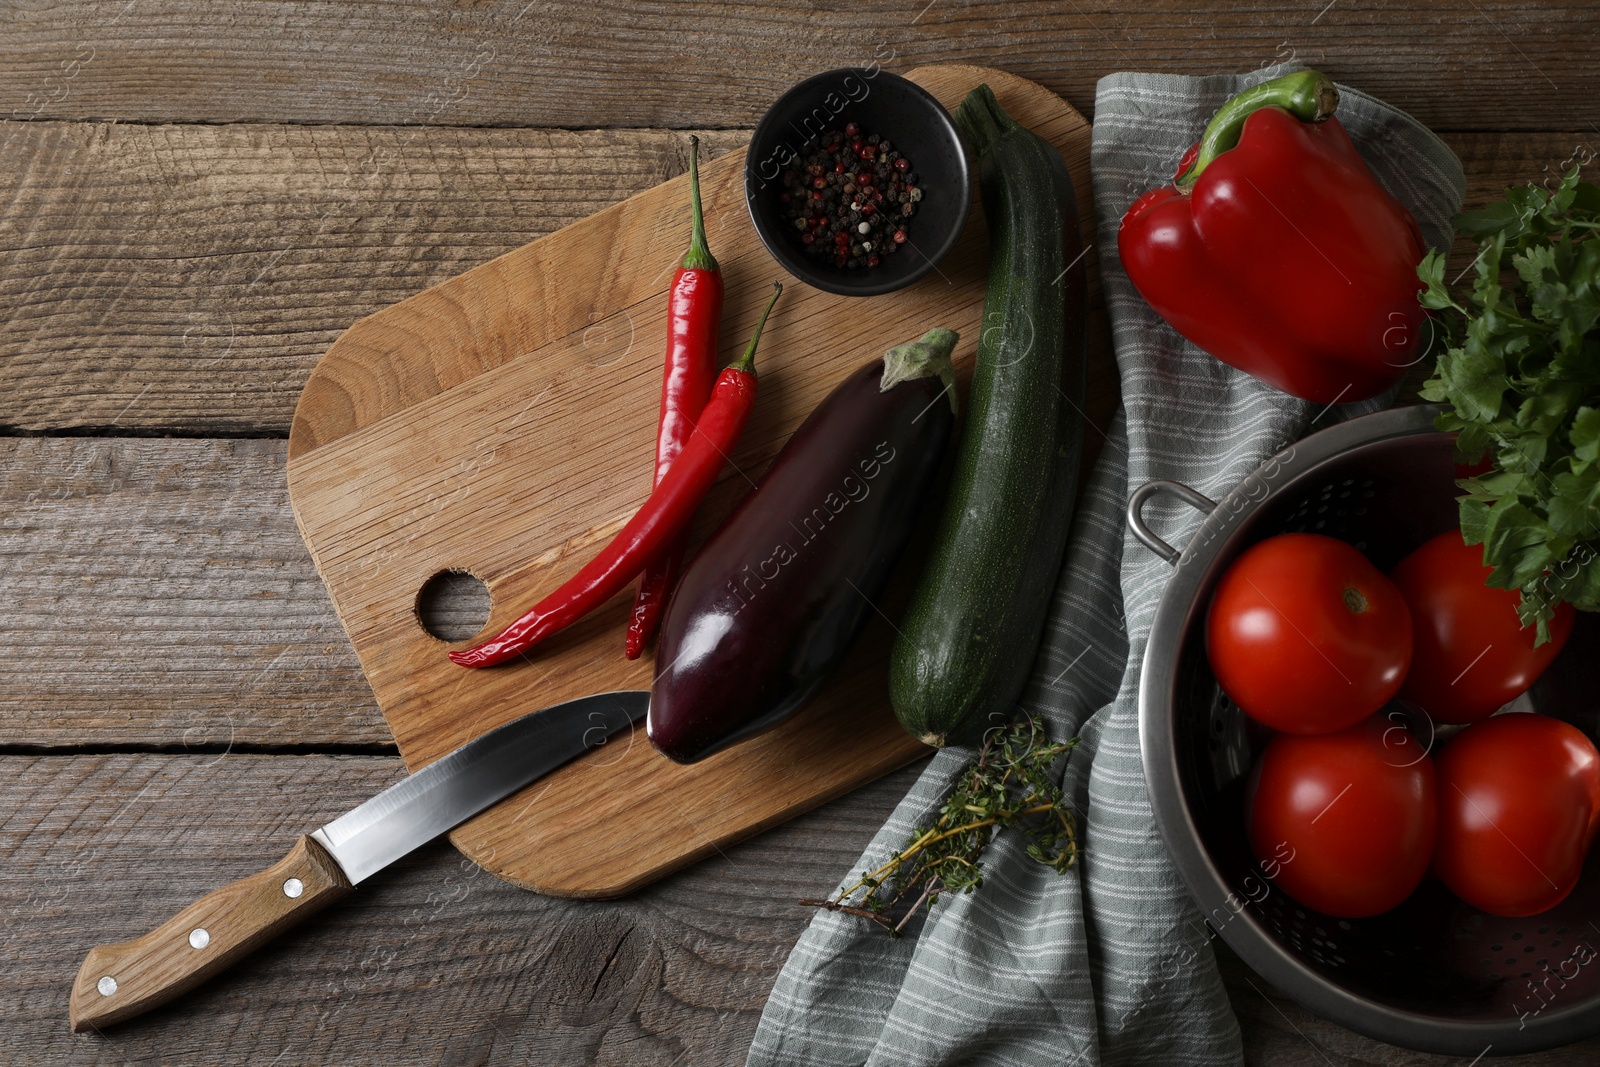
x=1520 y=372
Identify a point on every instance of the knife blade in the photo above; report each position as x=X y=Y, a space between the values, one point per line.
x=117 y=982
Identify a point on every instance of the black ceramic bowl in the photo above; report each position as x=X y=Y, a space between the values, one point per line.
x=881 y=103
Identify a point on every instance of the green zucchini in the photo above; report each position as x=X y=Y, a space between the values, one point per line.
x=974 y=622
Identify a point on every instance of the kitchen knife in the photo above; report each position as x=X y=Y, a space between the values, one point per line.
x=117 y=982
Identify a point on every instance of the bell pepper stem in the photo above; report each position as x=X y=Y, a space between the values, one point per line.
x=699 y=256
x=1306 y=94
x=747 y=362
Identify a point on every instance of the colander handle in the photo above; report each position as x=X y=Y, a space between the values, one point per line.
x=1193 y=497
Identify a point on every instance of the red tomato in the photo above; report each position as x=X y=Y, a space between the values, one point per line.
x=1519 y=801
x=1307 y=636
x=1344 y=822
x=1471 y=654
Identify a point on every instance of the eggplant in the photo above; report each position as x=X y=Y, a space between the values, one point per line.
x=771 y=604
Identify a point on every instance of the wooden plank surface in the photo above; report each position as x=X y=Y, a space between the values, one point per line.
x=677 y=64
x=477 y=427
x=158 y=593
x=435 y=962
x=182 y=279
x=185 y=279
x=430 y=962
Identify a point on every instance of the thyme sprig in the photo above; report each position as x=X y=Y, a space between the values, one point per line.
x=1008 y=784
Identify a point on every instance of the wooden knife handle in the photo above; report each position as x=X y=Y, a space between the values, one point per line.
x=117 y=982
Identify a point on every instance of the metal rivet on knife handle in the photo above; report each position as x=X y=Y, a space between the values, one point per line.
x=227 y=923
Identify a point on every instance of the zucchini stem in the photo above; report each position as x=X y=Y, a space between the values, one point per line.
x=982 y=121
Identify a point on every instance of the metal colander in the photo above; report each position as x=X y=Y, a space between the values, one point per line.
x=1434 y=974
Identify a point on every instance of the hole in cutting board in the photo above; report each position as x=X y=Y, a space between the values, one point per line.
x=453 y=605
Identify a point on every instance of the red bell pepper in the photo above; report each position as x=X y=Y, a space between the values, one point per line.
x=1277 y=251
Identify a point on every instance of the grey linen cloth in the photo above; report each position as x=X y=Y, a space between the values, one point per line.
x=1110 y=963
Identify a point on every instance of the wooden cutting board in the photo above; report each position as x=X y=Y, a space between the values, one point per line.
x=502 y=423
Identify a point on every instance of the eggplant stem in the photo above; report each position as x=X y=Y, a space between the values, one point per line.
x=927 y=357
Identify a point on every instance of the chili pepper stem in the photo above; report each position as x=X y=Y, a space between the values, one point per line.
x=699 y=256
x=1307 y=95
x=747 y=362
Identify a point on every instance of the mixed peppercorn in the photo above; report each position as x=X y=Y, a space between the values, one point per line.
x=851 y=198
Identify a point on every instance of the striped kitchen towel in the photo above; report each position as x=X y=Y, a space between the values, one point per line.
x=1110 y=963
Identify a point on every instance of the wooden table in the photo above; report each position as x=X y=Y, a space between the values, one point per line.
x=198 y=199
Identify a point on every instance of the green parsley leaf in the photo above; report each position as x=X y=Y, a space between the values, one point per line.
x=1586 y=435
x=1492 y=219
x=1519 y=375
x=1575 y=503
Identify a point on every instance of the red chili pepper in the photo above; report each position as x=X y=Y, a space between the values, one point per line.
x=1278 y=252
x=663 y=517
x=694 y=308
